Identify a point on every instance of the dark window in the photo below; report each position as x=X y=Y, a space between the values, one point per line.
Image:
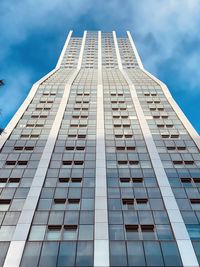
x=186 y=180
x=137 y=180
x=22 y=162
x=147 y=228
x=63 y=180
x=59 y=200
x=3 y=180
x=84 y=254
x=31 y=254
x=135 y=253
x=118 y=253
x=195 y=200
x=14 y=180
x=10 y=162
x=18 y=147
x=153 y=254
x=69 y=148
x=49 y=254
x=171 y=254
x=125 y=180
x=141 y=200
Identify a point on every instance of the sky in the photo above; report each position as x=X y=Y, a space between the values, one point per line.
x=166 y=34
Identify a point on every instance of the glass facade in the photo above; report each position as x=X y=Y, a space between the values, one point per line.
x=100 y=169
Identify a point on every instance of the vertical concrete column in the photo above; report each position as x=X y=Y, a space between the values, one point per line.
x=101 y=237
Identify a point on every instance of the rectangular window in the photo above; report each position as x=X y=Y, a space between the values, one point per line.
x=4 y=204
x=70 y=232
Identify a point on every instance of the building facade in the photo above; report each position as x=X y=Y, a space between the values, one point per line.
x=99 y=166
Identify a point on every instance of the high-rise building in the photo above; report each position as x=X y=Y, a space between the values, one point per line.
x=99 y=166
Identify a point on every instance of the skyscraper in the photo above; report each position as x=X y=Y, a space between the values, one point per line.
x=99 y=166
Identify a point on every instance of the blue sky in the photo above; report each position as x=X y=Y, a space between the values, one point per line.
x=166 y=34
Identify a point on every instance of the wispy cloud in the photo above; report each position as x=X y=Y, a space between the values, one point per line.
x=169 y=31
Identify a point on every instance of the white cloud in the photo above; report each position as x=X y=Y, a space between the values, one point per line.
x=173 y=25
x=19 y=18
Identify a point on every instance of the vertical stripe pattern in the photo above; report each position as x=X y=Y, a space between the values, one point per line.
x=180 y=232
x=101 y=240
x=24 y=223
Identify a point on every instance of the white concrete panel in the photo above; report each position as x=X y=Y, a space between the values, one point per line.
x=101 y=248
x=21 y=232
x=64 y=50
x=101 y=231
x=101 y=256
x=101 y=216
x=187 y=253
x=15 y=251
x=135 y=50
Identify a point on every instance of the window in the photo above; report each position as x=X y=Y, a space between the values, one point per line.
x=135 y=253
x=153 y=254
x=66 y=256
x=195 y=200
x=171 y=254
x=116 y=232
x=196 y=180
x=73 y=204
x=142 y=203
x=49 y=254
x=125 y=180
x=76 y=180
x=69 y=148
x=67 y=162
x=64 y=180
x=11 y=162
x=164 y=232
x=4 y=204
x=31 y=254
x=19 y=162
x=29 y=136
x=177 y=162
x=122 y=162
x=29 y=148
x=6 y=233
x=128 y=203
x=53 y=232
x=186 y=180
x=3 y=180
x=22 y=162
x=59 y=200
x=70 y=232
x=84 y=254
x=118 y=253
x=181 y=148
x=78 y=162
x=188 y=162
x=137 y=180
x=131 y=232
x=147 y=228
x=121 y=148
x=133 y=162
x=37 y=232
x=86 y=232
